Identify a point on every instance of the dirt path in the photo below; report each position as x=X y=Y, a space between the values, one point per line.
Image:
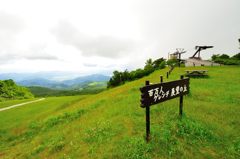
x=21 y=104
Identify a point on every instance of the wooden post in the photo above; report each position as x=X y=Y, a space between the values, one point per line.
x=147 y=119
x=161 y=79
x=179 y=61
x=181 y=102
x=167 y=75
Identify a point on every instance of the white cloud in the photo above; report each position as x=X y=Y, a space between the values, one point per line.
x=105 y=46
x=100 y=36
x=10 y=26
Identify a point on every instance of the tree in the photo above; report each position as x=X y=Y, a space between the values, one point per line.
x=162 y=65
x=237 y=56
x=9 y=90
x=149 y=62
x=214 y=57
x=139 y=73
x=224 y=56
x=157 y=62
x=148 y=68
x=125 y=76
x=226 y=60
x=239 y=43
x=119 y=78
x=172 y=62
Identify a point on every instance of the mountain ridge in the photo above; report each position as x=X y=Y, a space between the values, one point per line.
x=46 y=81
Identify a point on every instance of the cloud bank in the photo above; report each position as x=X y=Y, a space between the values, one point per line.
x=103 y=46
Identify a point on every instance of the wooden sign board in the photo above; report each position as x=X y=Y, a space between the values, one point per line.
x=157 y=93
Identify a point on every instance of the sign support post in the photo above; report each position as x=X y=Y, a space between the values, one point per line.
x=147 y=119
x=152 y=94
x=181 y=101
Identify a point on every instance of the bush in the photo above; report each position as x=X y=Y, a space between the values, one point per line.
x=172 y=62
x=162 y=65
x=226 y=60
x=9 y=90
x=119 y=78
x=237 y=56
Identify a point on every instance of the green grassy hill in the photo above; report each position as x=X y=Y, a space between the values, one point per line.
x=111 y=124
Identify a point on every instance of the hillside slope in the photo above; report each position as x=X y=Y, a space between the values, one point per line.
x=111 y=124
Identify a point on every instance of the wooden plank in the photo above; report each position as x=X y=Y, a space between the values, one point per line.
x=157 y=93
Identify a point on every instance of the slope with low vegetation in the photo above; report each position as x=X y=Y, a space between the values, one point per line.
x=111 y=124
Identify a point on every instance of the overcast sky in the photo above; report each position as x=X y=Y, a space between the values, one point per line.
x=99 y=36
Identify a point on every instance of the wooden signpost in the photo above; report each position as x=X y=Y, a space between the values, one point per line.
x=160 y=92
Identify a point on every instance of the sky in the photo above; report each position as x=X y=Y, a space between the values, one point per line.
x=99 y=36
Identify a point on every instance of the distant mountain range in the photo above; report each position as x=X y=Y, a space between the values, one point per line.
x=47 y=80
x=89 y=78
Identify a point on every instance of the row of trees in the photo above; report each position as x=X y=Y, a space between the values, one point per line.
x=226 y=59
x=9 y=90
x=119 y=78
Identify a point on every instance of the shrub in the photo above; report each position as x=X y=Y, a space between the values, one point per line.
x=9 y=90
x=119 y=78
x=226 y=60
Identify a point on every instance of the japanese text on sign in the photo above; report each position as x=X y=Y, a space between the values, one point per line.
x=156 y=93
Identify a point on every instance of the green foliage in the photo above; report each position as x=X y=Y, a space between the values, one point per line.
x=162 y=65
x=159 y=63
x=9 y=90
x=148 y=69
x=138 y=73
x=119 y=78
x=214 y=57
x=149 y=62
x=224 y=56
x=172 y=62
x=226 y=60
x=116 y=79
x=237 y=56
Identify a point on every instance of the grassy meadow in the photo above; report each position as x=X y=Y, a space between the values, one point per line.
x=111 y=124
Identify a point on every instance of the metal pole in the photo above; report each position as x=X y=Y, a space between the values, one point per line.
x=161 y=79
x=167 y=75
x=181 y=102
x=147 y=119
